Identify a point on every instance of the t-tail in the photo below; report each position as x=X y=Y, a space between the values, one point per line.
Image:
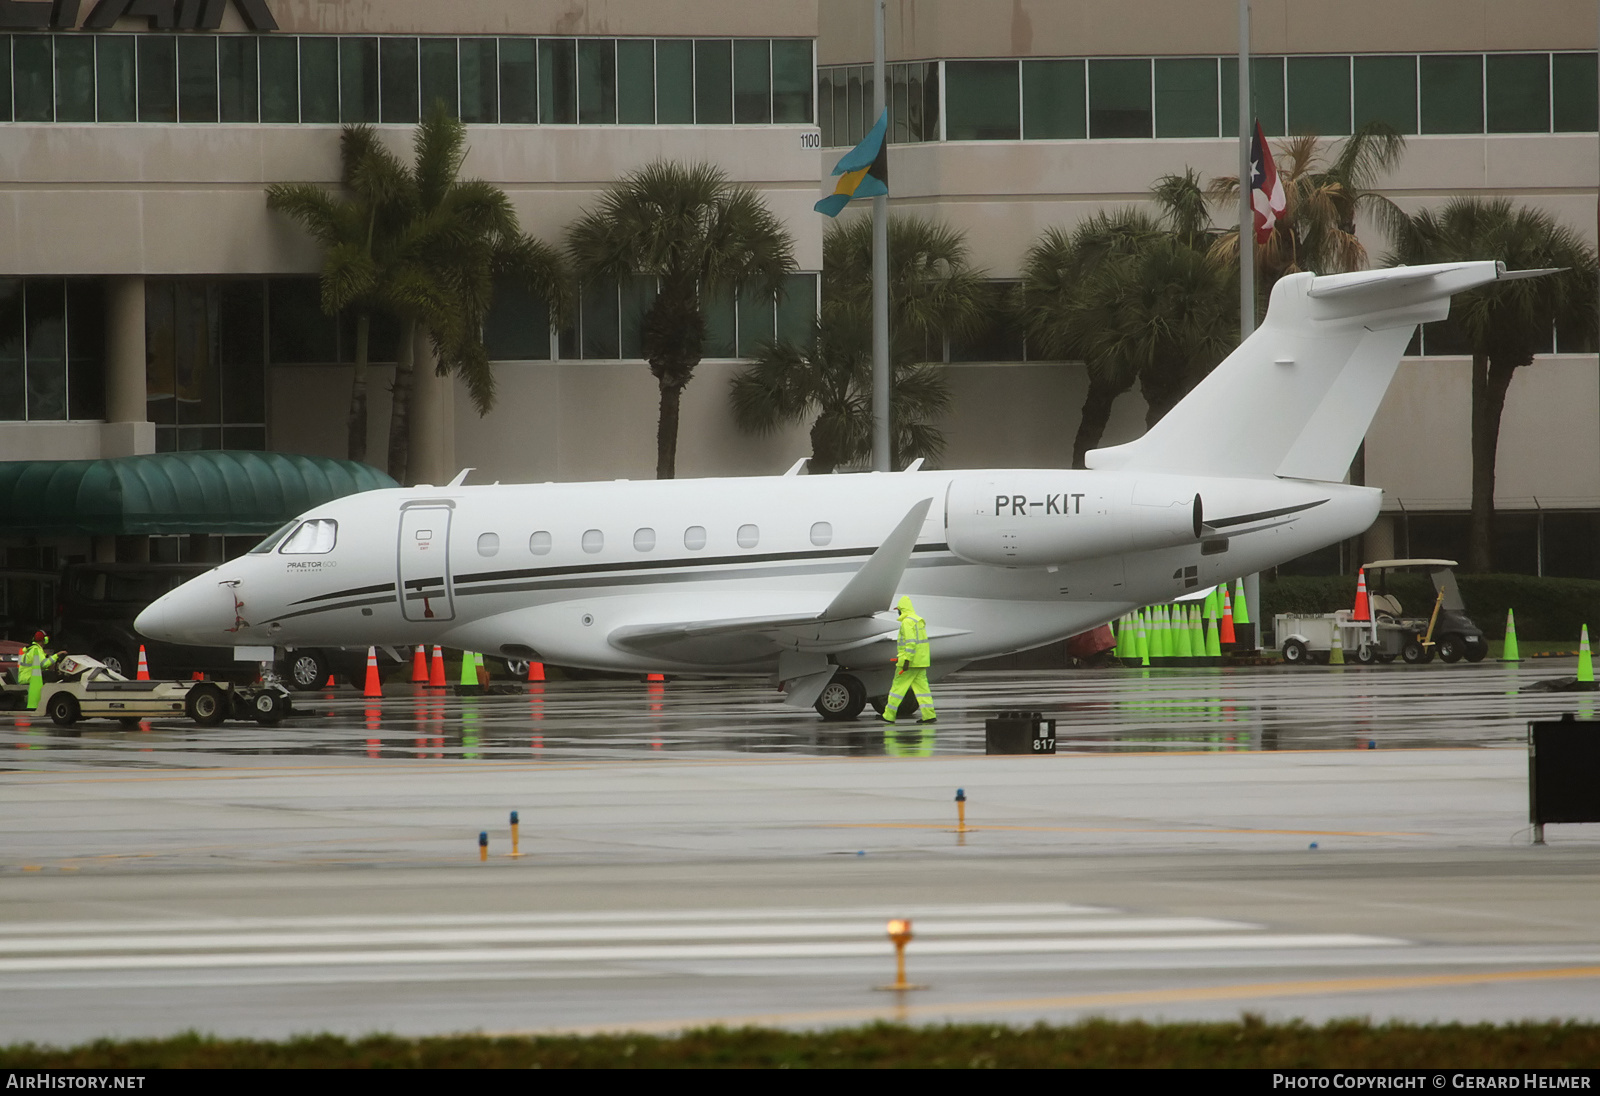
x=1296 y=398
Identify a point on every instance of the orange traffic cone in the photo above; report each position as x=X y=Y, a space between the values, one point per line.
x=1227 y=617
x=436 y=669
x=1363 y=609
x=197 y=676
x=144 y=666
x=655 y=677
x=535 y=671
x=330 y=683
x=374 y=688
x=419 y=667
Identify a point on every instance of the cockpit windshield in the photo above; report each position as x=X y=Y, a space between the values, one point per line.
x=272 y=541
x=313 y=538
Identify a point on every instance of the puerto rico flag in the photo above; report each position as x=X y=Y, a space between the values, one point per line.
x=1266 y=190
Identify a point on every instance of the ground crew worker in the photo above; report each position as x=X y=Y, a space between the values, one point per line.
x=31 y=667
x=912 y=671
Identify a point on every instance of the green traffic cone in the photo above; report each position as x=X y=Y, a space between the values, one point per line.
x=1214 y=642
x=1336 y=651
x=1585 y=661
x=1241 y=611
x=1144 y=640
x=1511 y=654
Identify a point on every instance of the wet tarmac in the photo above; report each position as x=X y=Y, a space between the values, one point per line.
x=1297 y=842
x=1257 y=708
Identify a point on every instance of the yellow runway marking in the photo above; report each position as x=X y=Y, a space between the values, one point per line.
x=1122 y=999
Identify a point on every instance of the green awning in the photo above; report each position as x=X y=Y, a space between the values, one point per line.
x=235 y=492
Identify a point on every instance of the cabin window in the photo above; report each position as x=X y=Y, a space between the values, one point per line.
x=489 y=544
x=822 y=534
x=539 y=543
x=644 y=540
x=749 y=536
x=314 y=538
x=694 y=537
x=593 y=541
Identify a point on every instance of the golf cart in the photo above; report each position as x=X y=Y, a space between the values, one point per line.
x=1444 y=629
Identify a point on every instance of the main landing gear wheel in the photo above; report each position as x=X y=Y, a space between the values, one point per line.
x=908 y=706
x=842 y=699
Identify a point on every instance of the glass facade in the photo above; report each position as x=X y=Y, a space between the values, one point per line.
x=608 y=325
x=326 y=80
x=52 y=345
x=1177 y=97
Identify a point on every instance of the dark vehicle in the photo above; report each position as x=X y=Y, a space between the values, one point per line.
x=1441 y=629
x=27 y=603
x=97 y=607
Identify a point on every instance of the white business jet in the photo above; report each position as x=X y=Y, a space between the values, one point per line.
x=794 y=576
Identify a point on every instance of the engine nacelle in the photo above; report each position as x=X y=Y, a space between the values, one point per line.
x=1042 y=519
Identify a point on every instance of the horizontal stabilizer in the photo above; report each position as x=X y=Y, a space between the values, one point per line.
x=1296 y=398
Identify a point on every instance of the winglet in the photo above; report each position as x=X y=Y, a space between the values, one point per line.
x=872 y=589
x=461 y=478
x=794 y=469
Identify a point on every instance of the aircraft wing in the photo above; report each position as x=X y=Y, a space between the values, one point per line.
x=857 y=615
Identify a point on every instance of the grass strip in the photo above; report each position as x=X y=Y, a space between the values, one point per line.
x=1246 y=1043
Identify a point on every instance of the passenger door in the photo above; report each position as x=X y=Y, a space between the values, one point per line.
x=423 y=585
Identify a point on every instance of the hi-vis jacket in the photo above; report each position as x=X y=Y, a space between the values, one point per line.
x=913 y=637
x=33 y=660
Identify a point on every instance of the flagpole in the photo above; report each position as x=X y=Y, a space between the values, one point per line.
x=1247 y=236
x=880 y=267
x=1247 y=258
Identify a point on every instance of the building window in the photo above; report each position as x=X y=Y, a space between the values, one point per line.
x=205 y=375
x=1119 y=98
x=51 y=340
x=1572 y=92
x=1517 y=92
x=1186 y=97
x=981 y=101
x=1385 y=90
x=1319 y=94
x=1452 y=93
x=713 y=82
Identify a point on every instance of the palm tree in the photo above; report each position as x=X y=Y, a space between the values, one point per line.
x=829 y=381
x=1324 y=190
x=698 y=234
x=934 y=294
x=1138 y=298
x=423 y=246
x=1506 y=323
x=350 y=228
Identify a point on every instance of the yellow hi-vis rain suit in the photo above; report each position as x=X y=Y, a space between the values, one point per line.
x=912 y=671
x=30 y=669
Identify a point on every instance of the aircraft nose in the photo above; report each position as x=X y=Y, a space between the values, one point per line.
x=201 y=611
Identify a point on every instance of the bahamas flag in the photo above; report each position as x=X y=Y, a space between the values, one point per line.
x=863 y=172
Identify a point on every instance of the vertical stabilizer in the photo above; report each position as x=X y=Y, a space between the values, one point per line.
x=1296 y=398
